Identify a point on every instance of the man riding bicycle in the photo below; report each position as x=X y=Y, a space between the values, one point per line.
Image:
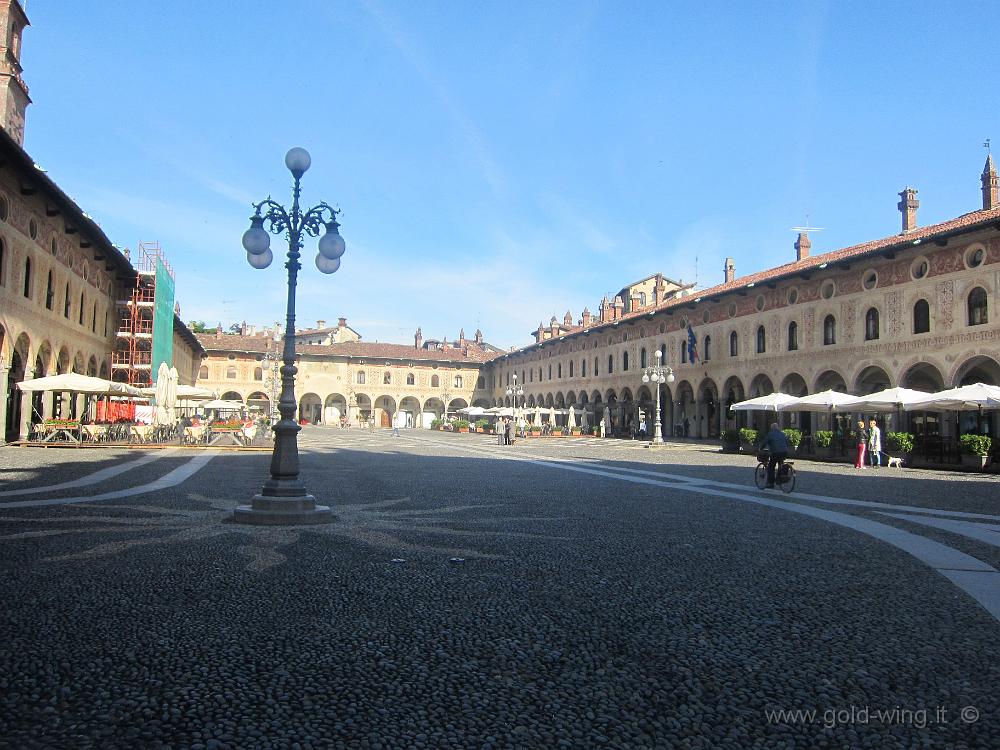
x=776 y=444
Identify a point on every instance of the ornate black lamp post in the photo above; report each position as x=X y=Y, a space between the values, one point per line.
x=513 y=391
x=283 y=499
x=657 y=375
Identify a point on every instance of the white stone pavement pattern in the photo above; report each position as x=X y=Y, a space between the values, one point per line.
x=568 y=593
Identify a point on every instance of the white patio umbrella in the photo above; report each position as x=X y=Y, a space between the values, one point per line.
x=552 y=416
x=583 y=417
x=823 y=401
x=537 y=420
x=72 y=382
x=963 y=398
x=223 y=405
x=473 y=411
x=770 y=402
x=162 y=385
x=607 y=418
x=890 y=399
x=172 y=393
x=571 y=417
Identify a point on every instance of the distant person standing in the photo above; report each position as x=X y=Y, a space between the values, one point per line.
x=501 y=429
x=862 y=444
x=874 y=443
x=510 y=432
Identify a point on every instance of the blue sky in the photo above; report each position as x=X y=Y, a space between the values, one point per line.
x=499 y=163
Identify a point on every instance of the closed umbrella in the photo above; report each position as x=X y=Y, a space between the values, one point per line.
x=552 y=416
x=571 y=418
x=537 y=420
x=172 y=386
x=162 y=385
x=583 y=417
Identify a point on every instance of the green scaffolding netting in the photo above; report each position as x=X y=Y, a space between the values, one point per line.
x=163 y=318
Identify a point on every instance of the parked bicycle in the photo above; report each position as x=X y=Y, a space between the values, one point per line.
x=784 y=473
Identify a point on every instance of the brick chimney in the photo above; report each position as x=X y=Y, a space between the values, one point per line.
x=991 y=190
x=730 y=270
x=461 y=337
x=908 y=206
x=619 y=308
x=418 y=338
x=585 y=320
x=554 y=327
x=342 y=322
x=321 y=324
x=540 y=333
x=802 y=246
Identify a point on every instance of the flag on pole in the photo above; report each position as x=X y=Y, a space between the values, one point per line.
x=692 y=346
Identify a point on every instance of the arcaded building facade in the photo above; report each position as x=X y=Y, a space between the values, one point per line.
x=408 y=385
x=914 y=309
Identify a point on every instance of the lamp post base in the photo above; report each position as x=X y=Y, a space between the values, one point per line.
x=283 y=511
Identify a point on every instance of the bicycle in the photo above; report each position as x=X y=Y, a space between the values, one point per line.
x=784 y=474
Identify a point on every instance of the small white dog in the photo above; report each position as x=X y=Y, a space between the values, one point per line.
x=891 y=461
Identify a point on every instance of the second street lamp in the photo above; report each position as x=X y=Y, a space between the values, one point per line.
x=657 y=375
x=283 y=499
x=513 y=391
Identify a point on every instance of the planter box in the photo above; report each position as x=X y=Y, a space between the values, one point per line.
x=575 y=433
x=463 y=429
x=976 y=462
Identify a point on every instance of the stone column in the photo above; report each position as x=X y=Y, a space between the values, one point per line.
x=24 y=427
x=4 y=370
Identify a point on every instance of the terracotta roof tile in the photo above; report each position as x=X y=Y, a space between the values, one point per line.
x=358 y=349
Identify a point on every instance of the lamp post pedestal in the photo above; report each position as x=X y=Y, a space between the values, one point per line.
x=657 y=375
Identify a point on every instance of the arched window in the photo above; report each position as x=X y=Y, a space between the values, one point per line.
x=410 y=380
x=829 y=330
x=642 y=299
x=761 y=340
x=921 y=316
x=539 y=374
x=458 y=381
x=559 y=370
x=663 y=354
x=49 y=294
x=80 y=317
x=231 y=372
x=611 y=364
x=734 y=344
x=387 y=378
x=93 y=322
x=531 y=375
x=977 y=307
x=66 y=302
x=3 y=265
x=203 y=372
x=596 y=368
x=684 y=351
x=550 y=371
x=571 y=368
x=707 y=352
x=27 y=278
x=435 y=381
x=642 y=358
x=793 y=336
x=583 y=368
x=871 y=324
x=258 y=373
x=624 y=360
x=361 y=377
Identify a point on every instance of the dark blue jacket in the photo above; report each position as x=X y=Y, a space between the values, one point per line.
x=776 y=442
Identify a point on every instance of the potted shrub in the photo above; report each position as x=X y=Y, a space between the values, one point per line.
x=436 y=424
x=794 y=437
x=557 y=431
x=975 y=450
x=574 y=430
x=749 y=438
x=731 y=441
x=462 y=425
x=898 y=445
x=588 y=430
x=822 y=442
x=535 y=430
x=482 y=424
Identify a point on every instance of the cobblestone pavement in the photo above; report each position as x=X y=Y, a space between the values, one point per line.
x=554 y=593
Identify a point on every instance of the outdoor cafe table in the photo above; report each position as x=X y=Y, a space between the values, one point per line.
x=141 y=432
x=229 y=437
x=69 y=434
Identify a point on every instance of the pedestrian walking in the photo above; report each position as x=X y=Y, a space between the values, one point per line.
x=501 y=429
x=395 y=425
x=862 y=443
x=510 y=432
x=874 y=444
